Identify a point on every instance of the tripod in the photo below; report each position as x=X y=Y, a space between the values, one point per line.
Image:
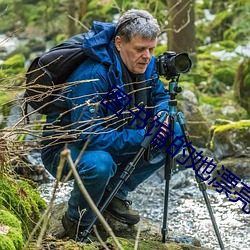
x=169 y=164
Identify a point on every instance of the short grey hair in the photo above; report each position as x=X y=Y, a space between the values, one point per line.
x=137 y=22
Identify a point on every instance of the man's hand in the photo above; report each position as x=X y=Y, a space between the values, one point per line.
x=165 y=122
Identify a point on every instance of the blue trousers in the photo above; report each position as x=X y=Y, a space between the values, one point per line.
x=99 y=171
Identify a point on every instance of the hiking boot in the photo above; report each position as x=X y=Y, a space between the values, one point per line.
x=75 y=231
x=121 y=211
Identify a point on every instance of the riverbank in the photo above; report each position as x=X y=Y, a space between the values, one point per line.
x=188 y=215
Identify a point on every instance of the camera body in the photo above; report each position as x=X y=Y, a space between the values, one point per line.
x=171 y=65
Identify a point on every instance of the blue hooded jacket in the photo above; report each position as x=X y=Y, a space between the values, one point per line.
x=87 y=119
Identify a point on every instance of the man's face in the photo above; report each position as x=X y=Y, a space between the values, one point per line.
x=137 y=53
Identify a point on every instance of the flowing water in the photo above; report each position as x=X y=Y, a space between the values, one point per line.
x=187 y=212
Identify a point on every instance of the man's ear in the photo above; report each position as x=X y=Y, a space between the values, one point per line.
x=118 y=42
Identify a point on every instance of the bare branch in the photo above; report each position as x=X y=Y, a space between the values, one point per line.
x=66 y=154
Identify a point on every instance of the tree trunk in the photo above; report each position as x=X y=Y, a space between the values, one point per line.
x=181 y=27
x=83 y=7
x=71 y=6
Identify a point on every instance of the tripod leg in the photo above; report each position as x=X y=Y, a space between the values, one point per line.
x=168 y=172
x=200 y=182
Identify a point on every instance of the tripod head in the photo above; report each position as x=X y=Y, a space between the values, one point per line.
x=174 y=89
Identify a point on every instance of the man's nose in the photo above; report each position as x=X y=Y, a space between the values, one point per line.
x=146 y=54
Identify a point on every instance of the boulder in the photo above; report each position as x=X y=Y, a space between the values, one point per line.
x=197 y=125
x=240 y=166
x=149 y=238
x=230 y=140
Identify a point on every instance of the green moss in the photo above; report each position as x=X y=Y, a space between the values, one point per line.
x=16 y=237
x=236 y=125
x=219 y=102
x=13 y=239
x=128 y=244
x=221 y=133
x=91 y=247
x=21 y=199
x=212 y=100
x=228 y=45
x=13 y=71
x=6 y=243
x=9 y=219
x=225 y=75
x=16 y=61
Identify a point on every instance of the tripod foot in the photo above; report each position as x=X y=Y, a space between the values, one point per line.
x=164 y=232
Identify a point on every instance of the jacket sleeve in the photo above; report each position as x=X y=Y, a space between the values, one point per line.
x=89 y=118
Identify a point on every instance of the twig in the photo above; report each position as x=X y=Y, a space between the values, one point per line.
x=99 y=238
x=137 y=236
x=77 y=21
x=45 y=217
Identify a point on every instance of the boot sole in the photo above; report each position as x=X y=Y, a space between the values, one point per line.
x=121 y=219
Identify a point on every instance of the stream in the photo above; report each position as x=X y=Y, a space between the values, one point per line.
x=187 y=212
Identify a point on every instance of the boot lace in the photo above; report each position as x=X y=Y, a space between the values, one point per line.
x=127 y=203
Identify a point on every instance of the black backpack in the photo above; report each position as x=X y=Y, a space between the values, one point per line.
x=47 y=74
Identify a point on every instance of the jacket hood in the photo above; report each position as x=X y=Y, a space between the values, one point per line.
x=98 y=43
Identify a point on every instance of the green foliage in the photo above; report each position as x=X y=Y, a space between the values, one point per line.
x=22 y=200
x=5 y=97
x=160 y=49
x=6 y=243
x=214 y=101
x=60 y=38
x=221 y=23
x=242 y=84
x=219 y=102
x=224 y=75
x=229 y=23
x=12 y=67
x=17 y=61
x=216 y=67
x=13 y=239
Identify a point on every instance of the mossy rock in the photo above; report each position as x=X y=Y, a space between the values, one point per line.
x=237 y=165
x=230 y=139
x=11 y=237
x=221 y=106
x=128 y=244
x=22 y=200
x=150 y=235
